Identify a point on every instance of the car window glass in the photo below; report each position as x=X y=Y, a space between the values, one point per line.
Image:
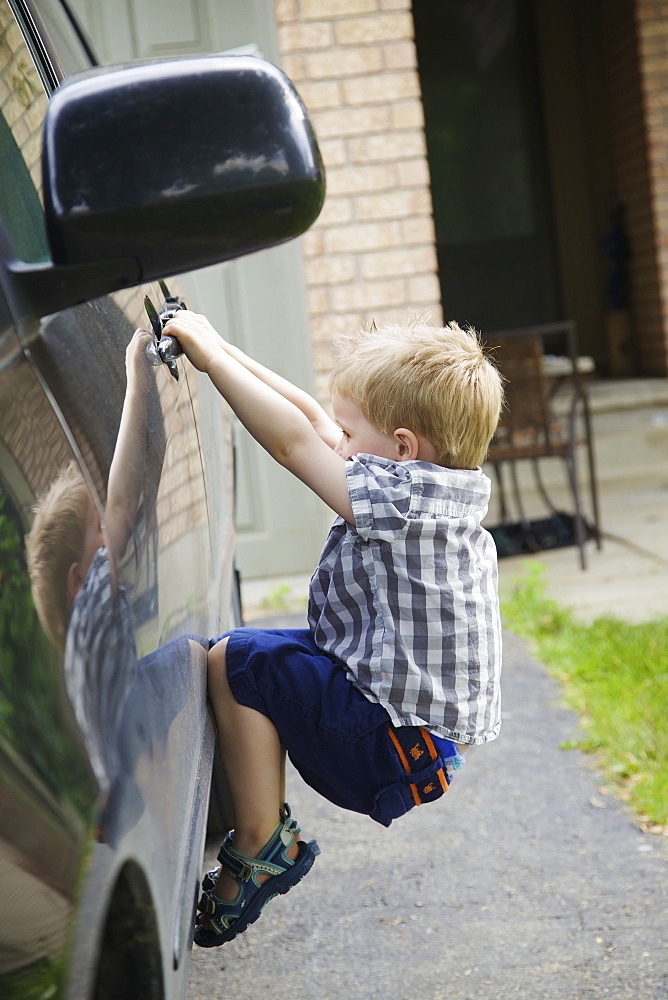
x=22 y=109
x=64 y=45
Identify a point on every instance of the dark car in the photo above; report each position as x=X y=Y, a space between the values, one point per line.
x=116 y=486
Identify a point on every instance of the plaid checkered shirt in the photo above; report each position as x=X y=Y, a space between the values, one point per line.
x=100 y=665
x=407 y=598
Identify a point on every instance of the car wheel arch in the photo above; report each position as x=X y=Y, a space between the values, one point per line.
x=129 y=962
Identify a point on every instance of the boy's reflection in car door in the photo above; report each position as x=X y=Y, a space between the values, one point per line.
x=74 y=551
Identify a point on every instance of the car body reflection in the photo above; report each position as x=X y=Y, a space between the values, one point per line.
x=105 y=739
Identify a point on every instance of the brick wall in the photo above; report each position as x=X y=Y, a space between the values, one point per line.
x=371 y=255
x=637 y=45
x=29 y=430
x=181 y=503
x=28 y=427
x=22 y=99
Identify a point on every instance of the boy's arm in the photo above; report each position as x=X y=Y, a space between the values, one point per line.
x=275 y=421
x=318 y=417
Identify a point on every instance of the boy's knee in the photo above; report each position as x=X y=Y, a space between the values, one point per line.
x=216 y=663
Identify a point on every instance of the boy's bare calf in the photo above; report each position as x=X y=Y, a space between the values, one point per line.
x=255 y=767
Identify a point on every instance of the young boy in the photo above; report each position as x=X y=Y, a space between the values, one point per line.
x=400 y=668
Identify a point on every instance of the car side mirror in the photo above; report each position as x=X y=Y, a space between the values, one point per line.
x=155 y=168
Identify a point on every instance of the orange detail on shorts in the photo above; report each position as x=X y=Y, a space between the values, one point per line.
x=433 y=754
x=402 y=755
x=406 y=766
x=416 y=753
x=426 y=735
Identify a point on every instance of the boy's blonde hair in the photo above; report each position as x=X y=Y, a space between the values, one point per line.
x=55 y=541
x=436 y=381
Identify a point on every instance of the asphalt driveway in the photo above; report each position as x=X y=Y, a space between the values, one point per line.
x=524 y=881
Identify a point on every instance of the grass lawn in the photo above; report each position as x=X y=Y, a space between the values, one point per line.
x=615 y=676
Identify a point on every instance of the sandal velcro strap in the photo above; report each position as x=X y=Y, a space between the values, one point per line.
x=242 y=868
x=420 y=759
x=206 y=904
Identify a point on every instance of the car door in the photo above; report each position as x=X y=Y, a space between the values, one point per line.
x=105 y=741
x=115 y=537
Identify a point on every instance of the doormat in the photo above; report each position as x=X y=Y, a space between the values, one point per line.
x=555 y=532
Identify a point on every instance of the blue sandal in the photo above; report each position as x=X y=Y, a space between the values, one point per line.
x=227 y=918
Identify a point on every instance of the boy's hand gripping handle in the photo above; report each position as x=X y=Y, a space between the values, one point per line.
x=165 y=349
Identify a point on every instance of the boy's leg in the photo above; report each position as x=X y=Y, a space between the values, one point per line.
x=254 y=763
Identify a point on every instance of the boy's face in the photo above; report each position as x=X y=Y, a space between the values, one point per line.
x=93 y=540
x=358 y=435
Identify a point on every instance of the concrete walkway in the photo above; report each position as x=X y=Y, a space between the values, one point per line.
x=525 y=881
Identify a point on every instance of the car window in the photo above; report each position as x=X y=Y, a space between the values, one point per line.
x=65 y=46
x=22 y=108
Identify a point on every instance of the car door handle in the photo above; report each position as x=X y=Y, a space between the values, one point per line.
x=165 y=349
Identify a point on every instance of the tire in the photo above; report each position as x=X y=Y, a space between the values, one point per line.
x=129 y=964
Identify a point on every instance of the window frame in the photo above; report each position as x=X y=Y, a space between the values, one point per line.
x=44 y=63
x=35 y=31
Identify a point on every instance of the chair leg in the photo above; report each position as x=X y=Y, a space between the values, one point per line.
x=591 y=465
x=503 y=504
x=571 y=465
x=580 y=536
x=529 y=536
x=541 y=486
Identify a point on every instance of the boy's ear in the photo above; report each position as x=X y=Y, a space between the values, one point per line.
x=406 y=444
x=74 y=580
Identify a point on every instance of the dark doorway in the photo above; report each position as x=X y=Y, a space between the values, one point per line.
x=481 y=89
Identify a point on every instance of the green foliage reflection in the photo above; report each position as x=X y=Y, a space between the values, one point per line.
x=32 y=716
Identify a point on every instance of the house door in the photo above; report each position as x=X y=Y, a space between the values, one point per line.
x=257 y=303
x=491 y=195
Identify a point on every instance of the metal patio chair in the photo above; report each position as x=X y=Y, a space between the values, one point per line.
x=531 y=430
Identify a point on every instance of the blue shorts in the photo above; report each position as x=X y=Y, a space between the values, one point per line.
x=337 y=739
